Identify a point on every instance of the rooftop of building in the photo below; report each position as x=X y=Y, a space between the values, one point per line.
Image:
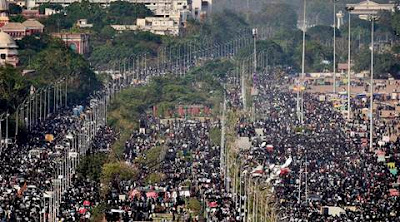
x=13 y=26
x=6 y=41
x=32 y=23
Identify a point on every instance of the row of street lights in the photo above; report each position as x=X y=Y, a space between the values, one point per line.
x=179 y=59
x=300 y=100
x=96 y=117
x=77 y=143
x=40 y=103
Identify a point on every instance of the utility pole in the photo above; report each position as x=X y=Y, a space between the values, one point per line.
x=334 y=46
x=255 y=32
x=6 y=140
x=371 y=121
x=248 y=11
x=243 y=73
x=303 y=63
x=300 y=102
x=222 y=157
x=349 y=9
x=1 y=134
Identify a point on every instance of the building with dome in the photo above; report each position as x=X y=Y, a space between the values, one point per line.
x=4 y=19
x=8 y=50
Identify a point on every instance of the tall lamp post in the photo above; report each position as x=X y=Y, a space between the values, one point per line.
x=334 y=46
x=372 y=18
x=255 y=33
x=301 y=99
x=349 y=9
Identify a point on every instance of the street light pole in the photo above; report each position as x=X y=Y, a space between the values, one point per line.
x=371 y=122
x=255 y=32
x=300 y=103
x=349 y=9
x=334 y=46
x=1 y=134
x=6 y=140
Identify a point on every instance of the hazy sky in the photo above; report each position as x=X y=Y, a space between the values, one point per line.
x=318 y=11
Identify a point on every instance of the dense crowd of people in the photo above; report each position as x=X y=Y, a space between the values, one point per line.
x=84 y=192
x=332 y=174
x=27 y=169
x=187 y=168
x=332 y=164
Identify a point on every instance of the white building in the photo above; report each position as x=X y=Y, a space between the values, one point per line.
x=370 y=8
x=156 y=25
x=165 y=8
x=169 y=15
x=83 y=23
x=201 y=8
x=8 y=50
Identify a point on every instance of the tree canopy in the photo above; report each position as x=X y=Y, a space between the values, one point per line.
x=278 y=16
x=119 y=12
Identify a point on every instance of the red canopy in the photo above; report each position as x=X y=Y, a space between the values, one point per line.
x=82 y=210
x=86 y=203
x=213 y=204
x=134 y=193
x=258 y=172
x=284 y=171
x=151 y=194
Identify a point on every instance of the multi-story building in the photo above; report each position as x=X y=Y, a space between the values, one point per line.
x=156 y=25
x=200 y=8
x=169 y=15
x=17 y=30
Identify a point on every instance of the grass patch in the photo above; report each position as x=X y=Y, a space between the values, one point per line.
x=215 y=136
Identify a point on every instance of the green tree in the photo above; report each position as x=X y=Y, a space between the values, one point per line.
x=288 y=40
x=223 y=26
x=17 y=18
x=322 y=34
x=396 y=22
x=52 y=60
x=121 y=12
x=315 y=55
x=90 y=166
x=279 y=16
x=194 y=205
x=154 y=178
x=115 y=171
x=57 y=22
x=385 y=63
x=54 y=6
x=13 y=88
x=123 y=46
x=14 y=9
